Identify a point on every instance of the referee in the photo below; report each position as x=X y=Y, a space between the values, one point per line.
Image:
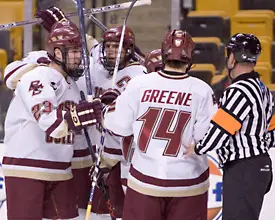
x=239 y=133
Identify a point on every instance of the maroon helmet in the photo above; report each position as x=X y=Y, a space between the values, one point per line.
x=114 y=35
x=178 y=45
x=153 y=61
x=64 y=35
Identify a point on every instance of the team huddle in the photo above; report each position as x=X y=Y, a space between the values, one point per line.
x=156 y=122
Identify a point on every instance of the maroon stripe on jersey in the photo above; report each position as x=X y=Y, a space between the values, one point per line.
x=172 y=76
x=36 y=163
x=168 y=183
x=113 y=151
x=124 y=181
x=112 y=107
x=83 y=152
x=10 y=73
x=57 y=122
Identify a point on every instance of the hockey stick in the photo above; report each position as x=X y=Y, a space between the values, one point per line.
x=85 y=57
x=102 y=9
x=121 y=43
x=86 y=62
x=104 y=28
x=93 y=19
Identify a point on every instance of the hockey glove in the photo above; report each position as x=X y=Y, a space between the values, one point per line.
x=98 y=174
x=50 y=16
x=83 y=115
x=109 y=96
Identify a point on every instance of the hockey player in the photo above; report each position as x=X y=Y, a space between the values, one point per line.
x=102 y=67
x=165 y=111
x=38 y=141
x=82 y=161
x=153 y=61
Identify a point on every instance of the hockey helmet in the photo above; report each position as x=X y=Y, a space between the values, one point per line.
x=178 y=45
x=245 y=47
x=114 y=35
x=153 y=61
x=64 y=35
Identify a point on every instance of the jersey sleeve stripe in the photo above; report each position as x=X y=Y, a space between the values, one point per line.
x=58 y=121
x=13 y=71
x=226 y=121
x=83 y=152
x=113 y=151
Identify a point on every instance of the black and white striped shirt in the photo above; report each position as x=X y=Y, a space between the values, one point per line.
x=240 y=127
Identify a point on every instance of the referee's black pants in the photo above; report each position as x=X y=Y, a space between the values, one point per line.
x=245 y=182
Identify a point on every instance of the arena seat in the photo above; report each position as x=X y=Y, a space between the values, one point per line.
x=265 y=71
x=258 y=22
x=257 y=4
x=273 y=76
x=5 y=43
x=209 y=50
x=13 y=11
x=205 y=72
x=272 y=90
x=266 y=44
x=273 y=54
x=3 y=62
x=207 y=24
x=230 y=7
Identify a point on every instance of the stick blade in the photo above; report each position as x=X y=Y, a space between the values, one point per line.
x=147 y=2
x=142 y=2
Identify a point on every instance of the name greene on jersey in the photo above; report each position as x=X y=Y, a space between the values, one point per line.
x=166 y=97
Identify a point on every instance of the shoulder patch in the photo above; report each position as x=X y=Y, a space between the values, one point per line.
x=36 y=87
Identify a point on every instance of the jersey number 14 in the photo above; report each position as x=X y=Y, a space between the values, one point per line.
x=157 y=124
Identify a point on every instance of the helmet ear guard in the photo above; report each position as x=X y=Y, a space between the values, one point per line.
x=245 y=56
x=153 y=61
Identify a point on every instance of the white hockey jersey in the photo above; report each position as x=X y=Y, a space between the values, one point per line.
x=165 y=114
x=37 y=142
x=102 y=80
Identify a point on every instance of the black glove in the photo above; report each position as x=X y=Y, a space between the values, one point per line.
x=50 y=17
x=139 y=52
x=109 y=96
x=83 y=115
x=99 y=175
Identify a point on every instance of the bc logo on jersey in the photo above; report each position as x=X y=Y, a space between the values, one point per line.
x=215 y=190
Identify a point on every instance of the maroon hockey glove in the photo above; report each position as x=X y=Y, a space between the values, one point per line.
x=83 y=115
x=43 y=60
x=50 y=16
x=109 y=96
